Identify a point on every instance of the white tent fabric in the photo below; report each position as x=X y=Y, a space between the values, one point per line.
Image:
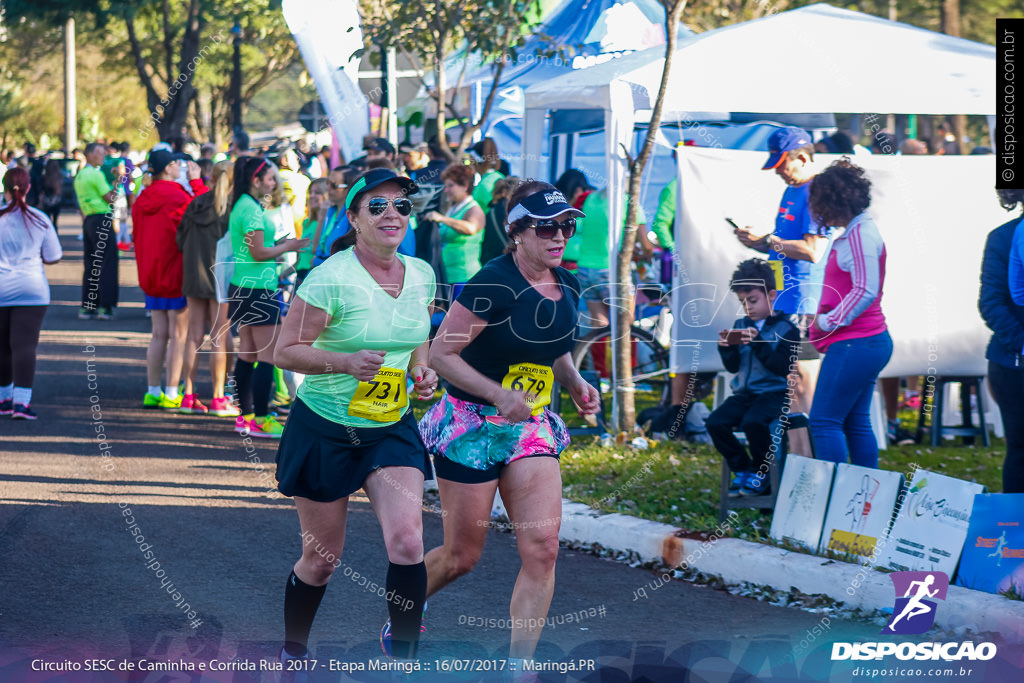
x=847 y=62
x=854 y=63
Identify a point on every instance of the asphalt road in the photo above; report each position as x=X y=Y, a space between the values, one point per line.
x=74 y=584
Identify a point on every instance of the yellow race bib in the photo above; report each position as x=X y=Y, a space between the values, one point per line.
x=534 y=381
x=382 y=398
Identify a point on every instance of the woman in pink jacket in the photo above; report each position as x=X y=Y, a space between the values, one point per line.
x=850 y=328
x=155 y=219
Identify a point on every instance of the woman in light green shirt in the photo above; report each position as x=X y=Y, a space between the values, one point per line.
x=462 y=229
x=358 y=330
x=252 y=300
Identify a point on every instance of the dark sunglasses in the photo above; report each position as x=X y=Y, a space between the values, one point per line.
x=547 y=229
x=378 y=205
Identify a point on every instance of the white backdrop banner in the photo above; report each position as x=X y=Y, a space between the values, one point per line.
x=329 y=38
x=934 y=214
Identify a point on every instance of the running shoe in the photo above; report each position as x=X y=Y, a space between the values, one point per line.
x=738 y=479
x=266 y=428
x=22 y=412
x=913 y=402
x=281 y=407
x=7 y=406
x=293 y=669
x=150 y=401
x=755 y=485
x=243 y=423
x=105 y=314
x=190 y=405
x=223 y=407
x=86 y=314
x=170 y=403
x=124 y=246
x=385 y=632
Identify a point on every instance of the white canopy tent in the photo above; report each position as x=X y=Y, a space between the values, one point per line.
x=847 y=62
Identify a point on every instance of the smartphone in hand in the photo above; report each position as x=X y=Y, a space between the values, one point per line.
x=734 y=337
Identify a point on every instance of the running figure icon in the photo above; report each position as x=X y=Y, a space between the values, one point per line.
x=915 y=607
x=998 y=552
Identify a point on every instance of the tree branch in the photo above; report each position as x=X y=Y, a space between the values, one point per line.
x=152 y=98
x=168 y=42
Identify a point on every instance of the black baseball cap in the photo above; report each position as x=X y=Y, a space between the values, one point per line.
x=158 y=160
x=541 y=205
x=372 y=179
x=381 y=145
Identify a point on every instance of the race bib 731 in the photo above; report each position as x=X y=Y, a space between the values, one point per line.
x=382 y=398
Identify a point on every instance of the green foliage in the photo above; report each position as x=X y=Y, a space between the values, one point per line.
x=486 y=30
x=268 y=51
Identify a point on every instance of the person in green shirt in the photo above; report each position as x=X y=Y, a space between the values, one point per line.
x=487 y=167
x=665 y=218
x=316 y=203
x=594 y=259
x=462 y=229
x=252 y=294
x=99 y=240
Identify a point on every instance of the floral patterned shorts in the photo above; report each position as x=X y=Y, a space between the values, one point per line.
x=475 y=436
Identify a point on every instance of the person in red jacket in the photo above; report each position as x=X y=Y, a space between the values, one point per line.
x=155 y=218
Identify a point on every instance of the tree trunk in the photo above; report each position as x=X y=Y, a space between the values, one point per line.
x=949 y=17
x=169 y=110
x=440 y=85
x=625 y=419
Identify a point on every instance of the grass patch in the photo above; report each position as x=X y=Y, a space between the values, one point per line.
x=678 y=483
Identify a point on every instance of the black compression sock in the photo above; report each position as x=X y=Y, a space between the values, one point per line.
x=262 y=384
x=243 y=385
x=300 y=604
x=407 y=584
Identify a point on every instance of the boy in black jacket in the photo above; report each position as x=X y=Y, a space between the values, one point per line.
x=761 y=349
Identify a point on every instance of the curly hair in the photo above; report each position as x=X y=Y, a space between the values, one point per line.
x=839 y=193
x=522 y=191
x=460 y=175
x=753 y=273
x=1009 y=199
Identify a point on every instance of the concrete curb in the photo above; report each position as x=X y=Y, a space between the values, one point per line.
x=735 y=560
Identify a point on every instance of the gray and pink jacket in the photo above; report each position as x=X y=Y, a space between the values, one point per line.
x=851 y=297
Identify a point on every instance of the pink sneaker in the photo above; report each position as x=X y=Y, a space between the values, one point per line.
x=223 y=407
x=243 y=425
x=190 y=405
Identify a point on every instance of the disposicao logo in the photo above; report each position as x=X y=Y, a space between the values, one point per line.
x=914 y=613
x=916 y=595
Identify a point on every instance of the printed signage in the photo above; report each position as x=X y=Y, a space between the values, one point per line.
x=993 y=557
x=859 y=510
x=803 y=497
x=929 y=531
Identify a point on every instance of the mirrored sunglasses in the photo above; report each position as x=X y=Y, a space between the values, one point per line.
x=378 y=205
